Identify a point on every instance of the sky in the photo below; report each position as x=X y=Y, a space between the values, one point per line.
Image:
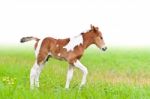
x=122 y=22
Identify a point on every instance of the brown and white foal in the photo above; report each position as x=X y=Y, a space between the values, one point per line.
x=69 y=49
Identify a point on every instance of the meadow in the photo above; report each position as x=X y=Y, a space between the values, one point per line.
x=118 y=73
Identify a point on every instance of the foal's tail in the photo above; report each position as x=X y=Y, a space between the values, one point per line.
x=25 y=39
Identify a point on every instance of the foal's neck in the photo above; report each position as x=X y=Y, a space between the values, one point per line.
x=87 y=40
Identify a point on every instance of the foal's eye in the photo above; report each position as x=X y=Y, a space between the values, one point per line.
x=101 y=37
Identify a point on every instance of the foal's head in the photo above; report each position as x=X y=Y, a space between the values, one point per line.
x=97 y=38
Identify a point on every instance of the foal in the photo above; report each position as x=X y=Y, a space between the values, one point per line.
x=69 y=49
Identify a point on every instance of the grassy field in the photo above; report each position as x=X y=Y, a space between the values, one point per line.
x=118 y=73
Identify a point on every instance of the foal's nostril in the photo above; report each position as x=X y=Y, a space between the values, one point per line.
x=104 y=48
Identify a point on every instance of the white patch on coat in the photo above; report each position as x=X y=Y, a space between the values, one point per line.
x=49 y=53
x=38 y=47
x=57 y=45
x=58 y=54
x=77 y=40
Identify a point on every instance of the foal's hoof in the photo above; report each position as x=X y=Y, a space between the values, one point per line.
x=81 y=87
x=32 y=88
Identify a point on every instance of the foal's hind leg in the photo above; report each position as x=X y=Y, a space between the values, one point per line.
x=36 y=70
x=33 y=74
x=40 y=67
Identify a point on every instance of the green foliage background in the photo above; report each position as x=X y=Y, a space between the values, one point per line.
x=118 y=73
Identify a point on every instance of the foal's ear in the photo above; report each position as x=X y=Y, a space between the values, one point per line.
x=94 y=28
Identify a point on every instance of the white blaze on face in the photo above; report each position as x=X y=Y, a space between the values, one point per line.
x=77 y=40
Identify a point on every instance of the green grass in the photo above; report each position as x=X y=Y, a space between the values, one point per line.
x=118 y=73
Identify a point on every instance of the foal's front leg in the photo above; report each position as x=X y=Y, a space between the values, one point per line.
x=69 y=76
x=84 y=71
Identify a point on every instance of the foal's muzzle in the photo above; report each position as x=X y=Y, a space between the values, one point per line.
x=104 y=48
